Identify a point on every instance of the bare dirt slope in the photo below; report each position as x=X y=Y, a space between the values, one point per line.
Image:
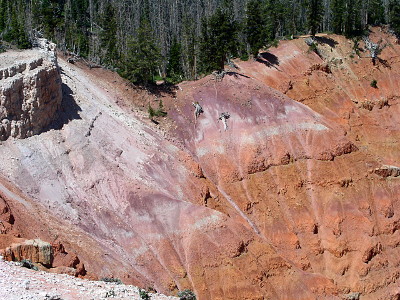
x=114 y=190
x=320 y=181
x=297 y=199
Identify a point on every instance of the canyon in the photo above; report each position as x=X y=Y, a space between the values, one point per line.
x=296 y=199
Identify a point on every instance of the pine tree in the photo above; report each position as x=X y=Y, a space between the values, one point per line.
x=189 y=48
x=3 y=15
x=22 y=39
x=255 y=28
x=338 y=15
x=151 y=111
x=394 y=16
x=206 y=50
x=376 y=12
x=274 y=14
x=12 y=32
x=353 y=18
x=108 y=35
x=315 y=13
x=79 y=27
x=219 y=39
x=174 y=66
x=50 y=14
x=143 y=57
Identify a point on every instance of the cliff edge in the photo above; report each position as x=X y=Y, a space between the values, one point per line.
x=30 y=90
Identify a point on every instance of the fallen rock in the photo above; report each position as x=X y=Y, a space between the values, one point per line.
x=387 y=171
x=352 y=296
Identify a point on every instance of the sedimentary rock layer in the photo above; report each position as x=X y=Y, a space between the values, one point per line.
x=30 y=91
x=296 y=199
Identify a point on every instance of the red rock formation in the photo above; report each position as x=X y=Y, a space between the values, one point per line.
x=298 y=199
x=6 y=217
x=36 y=251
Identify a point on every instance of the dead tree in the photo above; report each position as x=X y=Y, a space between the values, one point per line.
x=198 y=110
x=224 y=117
x=218 y=76
x=374 y=49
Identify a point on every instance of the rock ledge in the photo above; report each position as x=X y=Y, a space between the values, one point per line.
x=30 y=91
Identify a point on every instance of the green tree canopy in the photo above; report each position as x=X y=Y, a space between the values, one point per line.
x=108 y=35
x=315 y=14
x=352 y=22
x=394 y=16
x=376 y=12
x=143 y=56
x=338 y=15
x=174 y=66
x=256 y=32
x=219 y=40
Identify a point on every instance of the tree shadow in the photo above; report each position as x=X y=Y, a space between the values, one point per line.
x=385 y=63
x=236 y=74
x=268 y=59
x=326 y=40
x=157 y=90
x=68 y=111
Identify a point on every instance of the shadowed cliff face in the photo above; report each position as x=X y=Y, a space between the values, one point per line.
x=298 y=198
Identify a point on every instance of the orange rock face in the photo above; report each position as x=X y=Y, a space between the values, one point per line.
x=296 y=199
x=36 y=251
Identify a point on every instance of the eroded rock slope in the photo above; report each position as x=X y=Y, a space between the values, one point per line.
x=297 y=199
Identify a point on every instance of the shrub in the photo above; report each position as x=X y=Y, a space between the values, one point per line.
x=368 y=105
x=313 y=48
x=274 y=43
x=244 y=57
x=110 y=294
x=186 y=295
x=144 y=294
x=112 y=280
x=356 y=45
x=374 y=84
x=151 y=112
x=26 y=263
x=151 y=289
x=160 y=112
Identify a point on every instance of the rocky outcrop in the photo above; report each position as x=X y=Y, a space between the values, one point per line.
x=65 y=262
x=387 y=171
x=49 y=257
x=36 y=251
x=6 y=217
x=30 y=91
